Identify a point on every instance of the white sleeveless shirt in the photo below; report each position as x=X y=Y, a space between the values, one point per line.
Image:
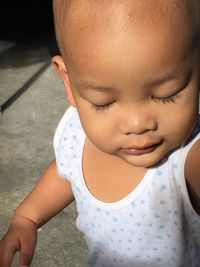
x=154 y=226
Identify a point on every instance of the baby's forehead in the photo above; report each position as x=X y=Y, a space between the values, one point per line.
x=79 y=18
x=73 y=10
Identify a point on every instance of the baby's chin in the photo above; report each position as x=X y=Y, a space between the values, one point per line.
x=148 y=160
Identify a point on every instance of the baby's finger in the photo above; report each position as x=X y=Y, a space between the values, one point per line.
x=6 y=256
x=26 y=259
x=27 y=252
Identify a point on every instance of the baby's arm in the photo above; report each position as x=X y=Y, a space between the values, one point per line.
x=192 y=173
x=49 y=196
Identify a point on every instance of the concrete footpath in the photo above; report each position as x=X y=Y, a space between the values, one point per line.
x=27 y=127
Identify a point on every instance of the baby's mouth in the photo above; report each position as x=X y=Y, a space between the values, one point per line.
x=140 y=150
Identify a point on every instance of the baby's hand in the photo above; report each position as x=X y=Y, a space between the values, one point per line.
x=21 y=236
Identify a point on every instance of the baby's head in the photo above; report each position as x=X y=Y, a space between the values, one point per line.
x=132 y=70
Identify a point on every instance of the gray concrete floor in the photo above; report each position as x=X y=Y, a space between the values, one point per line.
x=26 y=132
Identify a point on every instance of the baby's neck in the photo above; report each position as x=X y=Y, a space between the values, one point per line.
x=107 y=177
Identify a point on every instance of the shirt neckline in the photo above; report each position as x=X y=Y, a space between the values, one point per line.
x=130 y=198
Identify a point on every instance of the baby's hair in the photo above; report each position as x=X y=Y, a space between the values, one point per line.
x=61 y=10
x=65 y=12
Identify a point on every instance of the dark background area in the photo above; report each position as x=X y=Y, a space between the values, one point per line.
x=27 y=43
x=28 y=21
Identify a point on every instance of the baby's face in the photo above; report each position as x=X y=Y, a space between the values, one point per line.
x=134 y=81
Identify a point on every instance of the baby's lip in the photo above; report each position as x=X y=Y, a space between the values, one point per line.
x=142 y=147
x=139 y=150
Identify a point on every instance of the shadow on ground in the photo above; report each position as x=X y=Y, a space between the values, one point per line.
x=27 y=127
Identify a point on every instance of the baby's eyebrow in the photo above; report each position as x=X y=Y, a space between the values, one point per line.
x=174 y=75
x=93 y=86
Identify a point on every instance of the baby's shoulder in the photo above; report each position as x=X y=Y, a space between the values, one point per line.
x=68 y=141
x=185 y=165
x=192 y=174
x=69 y=128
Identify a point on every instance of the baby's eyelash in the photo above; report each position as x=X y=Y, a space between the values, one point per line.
x=101 y=108
x=166 y=100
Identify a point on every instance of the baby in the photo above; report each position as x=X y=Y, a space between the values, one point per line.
x=128 y=149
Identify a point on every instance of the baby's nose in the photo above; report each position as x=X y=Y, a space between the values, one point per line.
x=138 y=122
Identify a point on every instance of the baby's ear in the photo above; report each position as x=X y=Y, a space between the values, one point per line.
x=60 y=68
